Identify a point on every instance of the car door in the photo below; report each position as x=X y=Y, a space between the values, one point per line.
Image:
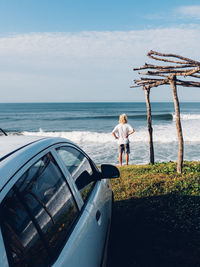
x=87 y=241
x=38 y=213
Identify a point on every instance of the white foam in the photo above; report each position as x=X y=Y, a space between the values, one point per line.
x=77 y=136
x=188 y=116
x=103 y=148
x=161 y=133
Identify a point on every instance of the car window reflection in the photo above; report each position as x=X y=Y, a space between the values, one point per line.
x=79 y=168
x=37 y=214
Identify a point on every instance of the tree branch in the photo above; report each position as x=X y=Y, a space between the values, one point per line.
x=149 y=82
x=168 y=72
x=176 y=72
x=186 y=60
x=156 y=84
x=195 y=76
x=149 y=66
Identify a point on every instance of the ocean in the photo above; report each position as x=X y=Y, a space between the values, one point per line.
x=89 y=125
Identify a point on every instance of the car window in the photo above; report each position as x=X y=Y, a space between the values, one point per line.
x=37 y=215
x=79 y=167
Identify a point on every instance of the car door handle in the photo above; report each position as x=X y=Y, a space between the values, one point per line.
x=98 y=215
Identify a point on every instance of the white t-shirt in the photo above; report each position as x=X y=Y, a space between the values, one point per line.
x=122 y=130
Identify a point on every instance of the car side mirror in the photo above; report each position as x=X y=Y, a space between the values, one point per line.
x=109 y=171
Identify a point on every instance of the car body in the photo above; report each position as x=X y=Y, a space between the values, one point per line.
x=55 y=204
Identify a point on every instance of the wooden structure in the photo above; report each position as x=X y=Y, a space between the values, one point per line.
x=167 y=75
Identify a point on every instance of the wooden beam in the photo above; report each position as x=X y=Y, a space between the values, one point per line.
x=176 y=72
x=149 y=81
x=178 y=123
x=156 y=84
x=185 y=59
x=149 y=66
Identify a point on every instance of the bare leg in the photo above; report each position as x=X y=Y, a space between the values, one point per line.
x=120 y=159
x=126 y=157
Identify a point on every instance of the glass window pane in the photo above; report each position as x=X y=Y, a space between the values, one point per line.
x=45 y=197
x=79 y=167
x=20 y=234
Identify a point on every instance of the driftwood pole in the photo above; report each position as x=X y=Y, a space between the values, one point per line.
x=178 y=123
x=157 y=75
x=149 y=126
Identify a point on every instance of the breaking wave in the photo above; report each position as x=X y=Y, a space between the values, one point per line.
x=188 y=116
x=161 y=134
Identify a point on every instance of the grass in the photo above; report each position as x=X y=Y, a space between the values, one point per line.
x=156 y=216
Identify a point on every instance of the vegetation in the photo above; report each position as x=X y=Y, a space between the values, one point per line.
x=156 y=216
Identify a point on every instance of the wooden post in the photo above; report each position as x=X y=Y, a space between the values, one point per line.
x=178 y=123
x=149 y=125
x=166 y=74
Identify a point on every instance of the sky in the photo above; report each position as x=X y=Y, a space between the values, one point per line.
x=85 y=51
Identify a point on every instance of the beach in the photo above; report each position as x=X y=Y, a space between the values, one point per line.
x=89 y=125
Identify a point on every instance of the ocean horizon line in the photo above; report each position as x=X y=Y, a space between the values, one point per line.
x=97 y=102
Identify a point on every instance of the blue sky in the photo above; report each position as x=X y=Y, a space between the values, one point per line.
x=75 y=51
x=24 y=16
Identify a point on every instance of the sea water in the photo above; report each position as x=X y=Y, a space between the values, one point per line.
x=89 y=125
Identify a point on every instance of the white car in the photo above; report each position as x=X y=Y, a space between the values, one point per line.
x=55 y=204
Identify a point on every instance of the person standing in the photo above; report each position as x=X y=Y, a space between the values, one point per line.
x=121 y=132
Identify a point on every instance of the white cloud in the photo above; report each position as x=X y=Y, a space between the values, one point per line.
x=192 y=11
x=93 y=66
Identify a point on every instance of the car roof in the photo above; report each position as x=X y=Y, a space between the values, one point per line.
x=15 y=151
x=10 y=144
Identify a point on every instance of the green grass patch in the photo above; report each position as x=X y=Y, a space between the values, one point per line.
x=156 y=217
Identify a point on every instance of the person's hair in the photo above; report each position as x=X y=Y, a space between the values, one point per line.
x=123 y=118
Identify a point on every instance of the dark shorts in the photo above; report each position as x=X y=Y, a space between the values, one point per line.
x=124 y=148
